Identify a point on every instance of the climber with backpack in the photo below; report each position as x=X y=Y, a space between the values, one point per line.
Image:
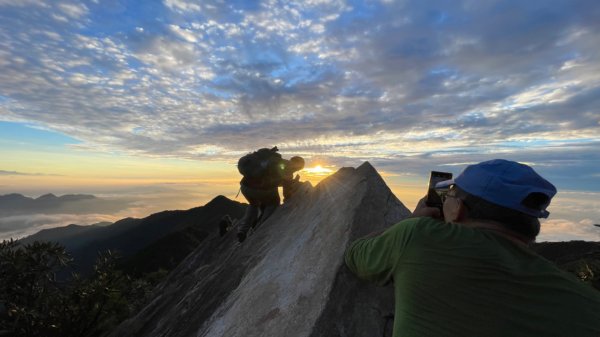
x=263 y=172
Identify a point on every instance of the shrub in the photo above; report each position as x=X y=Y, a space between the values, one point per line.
x=34 y=302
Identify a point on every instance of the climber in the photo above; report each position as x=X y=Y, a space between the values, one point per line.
x=263 y=172
x=226 y=224
x=474 y=273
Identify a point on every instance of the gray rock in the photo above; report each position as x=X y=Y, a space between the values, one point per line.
x=289 y=277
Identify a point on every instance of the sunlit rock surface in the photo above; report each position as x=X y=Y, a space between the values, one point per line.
x=289 y=277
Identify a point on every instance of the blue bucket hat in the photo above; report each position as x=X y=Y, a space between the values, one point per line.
x=505 y=183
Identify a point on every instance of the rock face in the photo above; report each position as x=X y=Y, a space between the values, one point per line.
x=289 y=277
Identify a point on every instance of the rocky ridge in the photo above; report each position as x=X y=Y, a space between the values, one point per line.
x=288 y=278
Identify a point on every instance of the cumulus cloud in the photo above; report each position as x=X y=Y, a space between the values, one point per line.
x=406 y=85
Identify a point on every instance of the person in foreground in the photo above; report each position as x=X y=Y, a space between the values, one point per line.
x=263 y=172
x=472 y=273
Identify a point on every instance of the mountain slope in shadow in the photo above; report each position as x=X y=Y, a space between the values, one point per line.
x=129 y=236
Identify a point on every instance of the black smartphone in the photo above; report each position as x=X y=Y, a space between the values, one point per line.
x=433 y=198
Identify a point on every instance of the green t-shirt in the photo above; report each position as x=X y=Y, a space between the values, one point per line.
x=453 y=280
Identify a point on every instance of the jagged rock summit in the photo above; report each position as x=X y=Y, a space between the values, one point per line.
x=289 y=277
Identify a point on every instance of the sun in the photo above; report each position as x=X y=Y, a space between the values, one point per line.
x=318 y=170
x=316 y=173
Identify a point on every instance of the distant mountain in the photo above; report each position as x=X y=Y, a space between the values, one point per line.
x=10 y=200
x=17 y=204
x=168 y=236
x=63 y=234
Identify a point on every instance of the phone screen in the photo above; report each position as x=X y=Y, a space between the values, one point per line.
x=437 y=176
x=433 y=199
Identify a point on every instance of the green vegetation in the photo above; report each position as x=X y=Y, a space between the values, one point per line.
x=587 y=270
x=40 y=296
x=581 y=258
x=35 y=302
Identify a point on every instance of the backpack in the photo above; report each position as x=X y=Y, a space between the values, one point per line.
x=257 y=164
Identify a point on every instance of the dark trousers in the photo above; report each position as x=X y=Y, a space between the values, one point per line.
x=262 y=204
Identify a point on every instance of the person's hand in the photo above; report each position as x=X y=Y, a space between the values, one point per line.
x=423 y=210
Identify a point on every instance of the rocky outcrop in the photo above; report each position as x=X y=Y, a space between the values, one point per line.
x=289 y=277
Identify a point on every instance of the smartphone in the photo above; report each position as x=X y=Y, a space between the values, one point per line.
x=433 y=198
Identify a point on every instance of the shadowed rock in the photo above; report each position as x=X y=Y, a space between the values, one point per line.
x=289 y=277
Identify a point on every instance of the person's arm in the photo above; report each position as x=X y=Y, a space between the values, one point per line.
x=287 y=174
x=375 y=258
x=288 y=183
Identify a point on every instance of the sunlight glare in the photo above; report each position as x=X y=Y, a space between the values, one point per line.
x=318 y=170
x=316 y=173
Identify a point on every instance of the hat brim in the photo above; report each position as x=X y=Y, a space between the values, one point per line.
x=444 y=184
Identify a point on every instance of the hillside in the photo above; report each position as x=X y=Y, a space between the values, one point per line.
x=167 y=252
x=581 y=258
x=129 y=236
x=64 y=235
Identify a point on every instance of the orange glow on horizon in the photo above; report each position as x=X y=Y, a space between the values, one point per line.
x=316 y=173
x=318 y=170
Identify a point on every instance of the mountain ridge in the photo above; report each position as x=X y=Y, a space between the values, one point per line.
x=18 y=204
x=291 y=267
x=131 y=235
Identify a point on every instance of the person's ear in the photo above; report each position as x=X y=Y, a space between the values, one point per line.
x=461 y=211
x=454 y=210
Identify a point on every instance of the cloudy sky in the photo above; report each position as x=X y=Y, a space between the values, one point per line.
x=110 y=97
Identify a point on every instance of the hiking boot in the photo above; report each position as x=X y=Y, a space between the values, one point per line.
x=241 y=237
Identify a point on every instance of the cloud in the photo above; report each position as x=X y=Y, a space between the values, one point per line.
x=23 y=225
x=182 y=5
x=406 y=85
x=74 y=11
x=565 y=230
x=572 y=217
x=12 y=173
x=15 y=173
x=22 y=3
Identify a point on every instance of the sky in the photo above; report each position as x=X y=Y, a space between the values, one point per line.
x=156 y=100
